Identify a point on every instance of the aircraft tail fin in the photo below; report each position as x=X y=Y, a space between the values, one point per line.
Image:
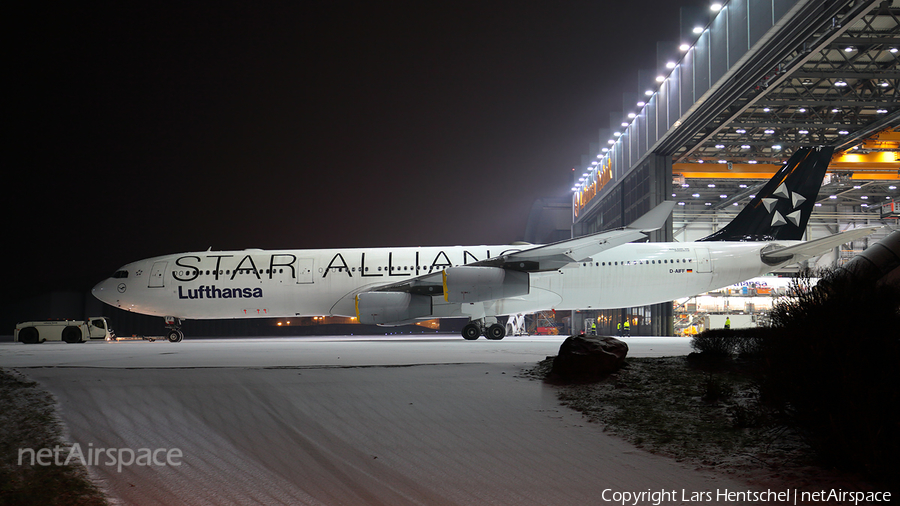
x=781 y=209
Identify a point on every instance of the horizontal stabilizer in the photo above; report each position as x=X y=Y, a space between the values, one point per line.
x=815 y=247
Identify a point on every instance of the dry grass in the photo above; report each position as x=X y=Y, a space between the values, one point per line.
x=708 y=419
x=28 y=420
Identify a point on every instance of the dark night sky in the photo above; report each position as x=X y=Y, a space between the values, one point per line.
x=143 y=130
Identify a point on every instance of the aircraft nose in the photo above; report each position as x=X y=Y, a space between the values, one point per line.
x=100 y=290
x=108 y=290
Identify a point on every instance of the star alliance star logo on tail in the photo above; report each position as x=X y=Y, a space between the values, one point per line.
x=795 y=200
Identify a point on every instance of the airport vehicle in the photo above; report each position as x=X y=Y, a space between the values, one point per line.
x=393 y=286
x=70 y=331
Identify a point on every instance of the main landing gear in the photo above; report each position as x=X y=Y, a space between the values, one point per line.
x=174 y=335
x=490 y=329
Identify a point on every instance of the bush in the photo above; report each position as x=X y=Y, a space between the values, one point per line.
x=829 y=364
x=727 y=342
x=716 y=342
x=748 y=415
x=715 y=390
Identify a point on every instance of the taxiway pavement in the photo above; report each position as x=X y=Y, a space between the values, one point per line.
x=344 y=420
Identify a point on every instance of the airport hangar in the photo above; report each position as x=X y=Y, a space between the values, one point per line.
x=750 y=82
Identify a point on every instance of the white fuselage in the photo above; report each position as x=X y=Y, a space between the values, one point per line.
x=287 y=283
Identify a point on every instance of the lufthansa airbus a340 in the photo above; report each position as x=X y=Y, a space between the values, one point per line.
x=394 y=286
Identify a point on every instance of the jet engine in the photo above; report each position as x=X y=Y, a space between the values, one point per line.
x=477 y=284
x=391 y=307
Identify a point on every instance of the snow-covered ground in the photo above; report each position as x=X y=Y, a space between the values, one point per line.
x=355 y=420
x=311 y=351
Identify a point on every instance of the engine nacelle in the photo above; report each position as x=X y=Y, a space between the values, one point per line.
x=477 y=284
x=391 y=307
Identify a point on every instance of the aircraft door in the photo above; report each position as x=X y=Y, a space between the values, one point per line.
x=304 y=270
x=158 y=274
x=703 y=262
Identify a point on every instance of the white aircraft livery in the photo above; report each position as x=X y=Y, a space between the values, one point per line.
x=394 y=286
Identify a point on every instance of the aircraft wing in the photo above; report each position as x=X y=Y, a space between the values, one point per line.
x=549 y=256
x=556 y=255
x=809 y=249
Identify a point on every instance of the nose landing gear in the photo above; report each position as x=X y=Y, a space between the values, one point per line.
x=174 y=335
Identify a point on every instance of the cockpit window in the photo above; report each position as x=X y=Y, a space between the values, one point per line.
x=120 y=274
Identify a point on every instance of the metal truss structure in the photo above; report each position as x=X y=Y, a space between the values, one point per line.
x=836 y=85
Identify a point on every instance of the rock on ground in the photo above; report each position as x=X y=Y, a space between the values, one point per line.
x=588 y=358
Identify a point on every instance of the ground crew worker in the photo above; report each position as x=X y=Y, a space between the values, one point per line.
x=593 y=328
x=627 y=328
x=727 y=322
x=619 y=329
